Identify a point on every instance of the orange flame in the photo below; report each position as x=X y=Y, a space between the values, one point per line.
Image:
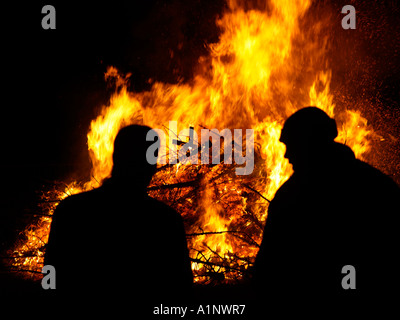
x=253 y=78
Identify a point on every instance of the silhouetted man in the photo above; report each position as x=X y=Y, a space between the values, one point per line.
x=333 y=211
x=115 y=242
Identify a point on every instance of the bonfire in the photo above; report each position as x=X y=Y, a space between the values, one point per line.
x=266 y=65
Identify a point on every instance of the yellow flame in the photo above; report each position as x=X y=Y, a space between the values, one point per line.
x=253 y=78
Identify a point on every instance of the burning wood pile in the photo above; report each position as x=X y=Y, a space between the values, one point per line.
x=266 y=65
x=223 y=214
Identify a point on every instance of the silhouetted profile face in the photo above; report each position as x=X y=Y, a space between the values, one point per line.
x=130 y=164
x=307 y=134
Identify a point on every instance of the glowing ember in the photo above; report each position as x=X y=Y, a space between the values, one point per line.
x=254 y=77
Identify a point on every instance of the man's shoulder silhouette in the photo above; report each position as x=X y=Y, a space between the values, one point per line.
x=113 y=238
x=333 y=211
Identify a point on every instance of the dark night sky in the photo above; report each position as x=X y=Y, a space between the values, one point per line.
x=53 y=80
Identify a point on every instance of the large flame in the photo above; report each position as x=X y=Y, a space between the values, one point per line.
x=263 y=68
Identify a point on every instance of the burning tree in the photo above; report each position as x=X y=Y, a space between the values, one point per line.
x=266 y=65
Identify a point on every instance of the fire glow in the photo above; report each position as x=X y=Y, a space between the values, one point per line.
x=264 y=67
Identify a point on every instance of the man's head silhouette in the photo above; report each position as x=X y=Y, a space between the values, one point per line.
x=130 y=164
x=307 y=134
